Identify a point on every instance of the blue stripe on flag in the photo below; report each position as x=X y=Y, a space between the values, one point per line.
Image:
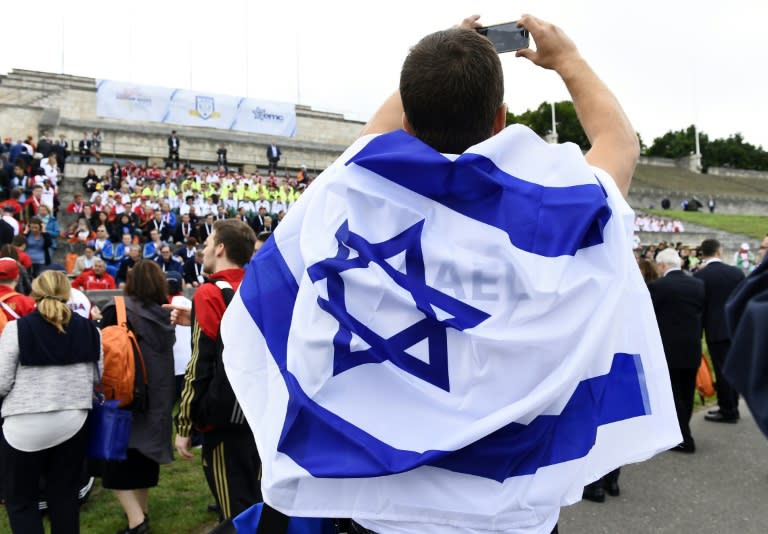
x=328 y=446
x=548 y=221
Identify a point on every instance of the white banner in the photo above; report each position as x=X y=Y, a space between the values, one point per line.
x=120 y=100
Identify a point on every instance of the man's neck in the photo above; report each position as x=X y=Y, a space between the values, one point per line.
x=224 y=264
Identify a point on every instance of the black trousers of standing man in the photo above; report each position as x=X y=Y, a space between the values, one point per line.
x=683 y=388
x=727 y=397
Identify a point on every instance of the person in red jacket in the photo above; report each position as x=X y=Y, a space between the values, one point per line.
x=96 y=278
x=230 y=459
x=12 y=304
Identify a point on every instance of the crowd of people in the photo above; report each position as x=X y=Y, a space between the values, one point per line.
x=134 y=212
x=650 y=223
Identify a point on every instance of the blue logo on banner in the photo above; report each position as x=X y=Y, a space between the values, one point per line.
x=428 y=300
x=205 y=107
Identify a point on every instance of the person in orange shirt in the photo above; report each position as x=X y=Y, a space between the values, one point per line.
x=96 y=278
x=12 y=304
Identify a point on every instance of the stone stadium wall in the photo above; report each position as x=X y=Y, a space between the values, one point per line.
x=32 y=102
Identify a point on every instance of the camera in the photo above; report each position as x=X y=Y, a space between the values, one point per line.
x=506 y=37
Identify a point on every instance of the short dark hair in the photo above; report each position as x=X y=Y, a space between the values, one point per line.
x=452 y=85
x=146 y=282
x=238 y=239
x=709 y=247
x=263 y=236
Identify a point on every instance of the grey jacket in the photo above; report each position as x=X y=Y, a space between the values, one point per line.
x=41 y=388
x=151 y=432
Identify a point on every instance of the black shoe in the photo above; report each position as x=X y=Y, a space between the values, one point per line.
x=720 y=418
x=213 y=508
x=713 y=412
x=689 y=448
x=594 y=493
x=142 y=528
x=612 y=489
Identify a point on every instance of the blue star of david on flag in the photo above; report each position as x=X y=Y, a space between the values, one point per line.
x=456 y=314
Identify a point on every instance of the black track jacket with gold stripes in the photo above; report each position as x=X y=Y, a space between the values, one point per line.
x=207 y=400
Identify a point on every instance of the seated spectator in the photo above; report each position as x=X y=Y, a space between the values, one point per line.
x=188 y=250
x=79 y=233
x=84 y=262
x=167 y=262
x=205 y=228
x=184 y=230
x=94 y=279
x=101 y=244
x=152 y=247
x=90 y=181
x=193 y=270
x=77 y=205
x=157 y=223
x=121 y=252
x=125 y=224
x=134 y=255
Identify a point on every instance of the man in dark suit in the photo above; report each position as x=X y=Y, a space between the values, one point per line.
x=273 y=157
x=84 y=149
x=173 y=150
x=719 y=281
x=678 y=301
x=61 y=148
x=185 y=229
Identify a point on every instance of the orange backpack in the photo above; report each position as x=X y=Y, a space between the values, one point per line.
x=122 y=359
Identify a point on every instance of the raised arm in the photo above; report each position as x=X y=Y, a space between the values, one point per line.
x=615 y=147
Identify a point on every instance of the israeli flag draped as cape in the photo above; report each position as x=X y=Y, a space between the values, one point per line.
x=460 y=340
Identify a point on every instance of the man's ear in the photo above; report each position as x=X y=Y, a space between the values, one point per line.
x=500 y=120
x=407 y=125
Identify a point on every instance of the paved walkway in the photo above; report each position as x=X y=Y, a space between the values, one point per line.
x=721 y=489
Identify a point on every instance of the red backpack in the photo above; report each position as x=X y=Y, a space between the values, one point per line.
x=122 y=360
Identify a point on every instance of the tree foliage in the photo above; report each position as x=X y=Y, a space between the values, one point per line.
x=540 y=121
x=731 y=152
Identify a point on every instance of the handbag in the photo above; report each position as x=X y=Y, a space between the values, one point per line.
x=704 y=384
x=109 y=430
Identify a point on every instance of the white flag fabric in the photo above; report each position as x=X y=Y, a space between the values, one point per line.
x=454 y=340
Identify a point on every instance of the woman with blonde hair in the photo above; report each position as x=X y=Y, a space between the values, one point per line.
x=48 y=366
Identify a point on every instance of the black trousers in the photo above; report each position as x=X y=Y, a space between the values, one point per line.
x=62 y=466
x=232 y=469
x=727 y=397
x=173 y=158
x=683 y=388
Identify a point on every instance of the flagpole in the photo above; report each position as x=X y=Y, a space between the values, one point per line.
x=63 y=25
x=247 y=62
x=298 y=71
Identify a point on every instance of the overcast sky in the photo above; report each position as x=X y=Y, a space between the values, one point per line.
x=671 y=63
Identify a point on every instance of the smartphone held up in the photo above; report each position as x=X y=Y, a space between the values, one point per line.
x=506 y=37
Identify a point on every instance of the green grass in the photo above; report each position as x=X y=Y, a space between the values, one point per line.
x=755 y=226
x=176 y=506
